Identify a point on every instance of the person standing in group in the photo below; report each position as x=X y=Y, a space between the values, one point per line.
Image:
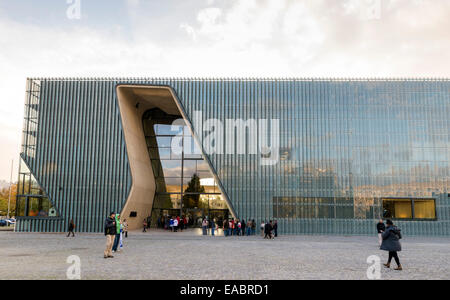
x=110 y=233
x=268 y=230
x=253 y=227
x=243 y=225
x=71 y=228
x=391 y=243
x=236 y=227
x=213 y=226
x=226 y=225
x=205 y=226
x=175 y=224
x=125 y=227
x=167 y=224
x=144 y=224
x=380 y=229
x=185 y=222
x=231 y=227
x=121 y=237
x=171 y=224
x=117 y=238
x=275 y=228
x=149 y=222
x=249 y=227
x=262 y=227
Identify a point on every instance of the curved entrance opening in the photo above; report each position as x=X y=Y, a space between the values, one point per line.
x=170 y=175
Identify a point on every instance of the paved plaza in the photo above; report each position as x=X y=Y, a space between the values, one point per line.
x=188 y=255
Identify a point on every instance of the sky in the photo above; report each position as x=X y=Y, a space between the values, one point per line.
x=212 y=38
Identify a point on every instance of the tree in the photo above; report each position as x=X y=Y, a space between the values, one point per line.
x=194 y=186
x=4 y=196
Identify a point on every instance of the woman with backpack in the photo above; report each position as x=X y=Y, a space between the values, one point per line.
x=391 y=243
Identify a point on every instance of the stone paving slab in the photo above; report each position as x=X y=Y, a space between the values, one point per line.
x=188 y=255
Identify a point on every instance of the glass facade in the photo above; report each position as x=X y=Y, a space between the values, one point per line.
x=184 y=183
x=350 y=151
x=31 y=198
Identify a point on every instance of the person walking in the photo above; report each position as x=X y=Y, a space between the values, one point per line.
x=391 y=243
x=380 y=229
x=275 y=229
x=117 y=237
x=71 y=228
x=110 y=233
x=243 y=224
x=268 y=230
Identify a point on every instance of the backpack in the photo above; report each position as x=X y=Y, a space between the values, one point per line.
x=397 y=232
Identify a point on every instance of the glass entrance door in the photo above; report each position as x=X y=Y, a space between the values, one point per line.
x=185 y=185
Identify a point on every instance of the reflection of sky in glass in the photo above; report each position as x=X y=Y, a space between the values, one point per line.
x=345 y=140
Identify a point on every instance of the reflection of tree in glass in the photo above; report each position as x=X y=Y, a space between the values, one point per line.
x=194 y=186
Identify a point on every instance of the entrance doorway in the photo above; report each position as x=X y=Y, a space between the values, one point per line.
x=185 y=185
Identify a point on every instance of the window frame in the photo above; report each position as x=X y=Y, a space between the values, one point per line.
x=413 y=212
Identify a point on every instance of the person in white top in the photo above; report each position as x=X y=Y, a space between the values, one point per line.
x=175 y=224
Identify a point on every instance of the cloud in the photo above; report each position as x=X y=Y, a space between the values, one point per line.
x=226 y=38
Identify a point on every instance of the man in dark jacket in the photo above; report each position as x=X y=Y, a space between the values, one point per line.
x=110 y=233
x=275 y=228
x=380 y=229
x=391 y=243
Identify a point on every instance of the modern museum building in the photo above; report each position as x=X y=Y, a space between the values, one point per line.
x=320 y=156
